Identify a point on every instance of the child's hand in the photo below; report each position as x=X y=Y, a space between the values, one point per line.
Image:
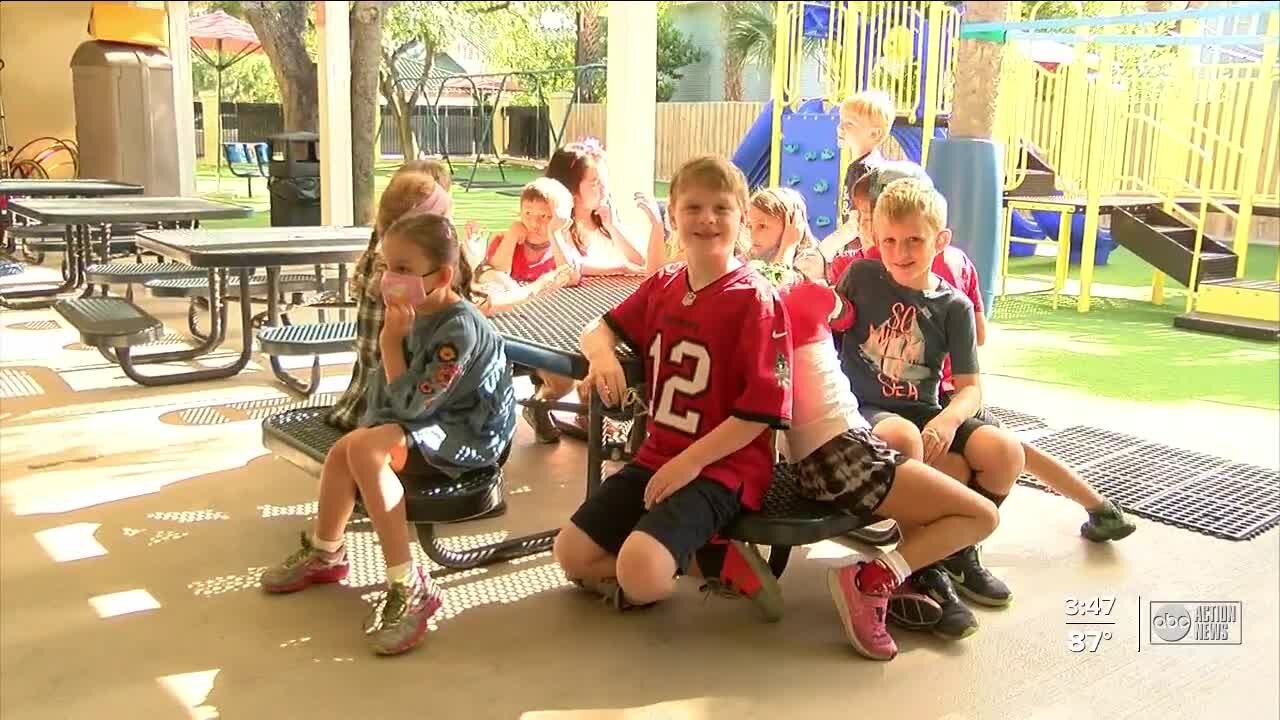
x=605 y=376
x=937 y=437
x=649 y=206
x=606 y=213
x=672 y=476
x=396 y=324
x=472 y=230
x=790 y=235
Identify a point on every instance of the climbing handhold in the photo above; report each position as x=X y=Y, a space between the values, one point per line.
x=811 y=156
x=828 y=154
x=822 y=221
x=821 y=186
x=793 y=180
x=790 y=148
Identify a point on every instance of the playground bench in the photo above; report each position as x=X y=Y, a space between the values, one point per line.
x=110 y=322
x=246 y=160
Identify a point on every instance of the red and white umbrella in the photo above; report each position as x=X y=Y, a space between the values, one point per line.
x=232 y=39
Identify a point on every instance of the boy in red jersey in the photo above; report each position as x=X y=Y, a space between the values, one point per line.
x=717 y=358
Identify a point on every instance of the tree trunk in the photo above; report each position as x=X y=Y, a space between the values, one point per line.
x=366 y=57
x=732 y=78
x=589 y=48
x=280 y=27
x=978 y=75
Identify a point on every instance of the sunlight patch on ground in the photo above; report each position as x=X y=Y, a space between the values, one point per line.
x=191 y=690
x=123 y=603
x=71 y=542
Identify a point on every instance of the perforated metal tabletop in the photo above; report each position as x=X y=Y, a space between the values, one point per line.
x=81 y=187
x=258 y=247
x=133 y=209
x=544 y=333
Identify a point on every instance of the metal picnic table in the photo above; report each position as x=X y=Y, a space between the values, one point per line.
x=544 y=333
x=70 y=187
x=241 y=250
x=78 y=214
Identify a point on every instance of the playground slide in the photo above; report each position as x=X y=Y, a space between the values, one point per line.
x=752 y=155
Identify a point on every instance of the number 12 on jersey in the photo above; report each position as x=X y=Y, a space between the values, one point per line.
x=689 y=386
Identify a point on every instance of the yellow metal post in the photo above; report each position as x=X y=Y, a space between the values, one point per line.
x=781 y=60
x=1006 y=233
x=1254 y=139
x=1061 y=267
x=1096 y=159
x=932 y=70
x=1157 y=288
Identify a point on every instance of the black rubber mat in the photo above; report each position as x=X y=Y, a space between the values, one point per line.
x=1206 y=494
x=1016 y=421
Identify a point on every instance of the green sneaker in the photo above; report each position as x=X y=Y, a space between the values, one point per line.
x=1107 y=523
x=401 y=623
x=305 y=567
x=609 y=590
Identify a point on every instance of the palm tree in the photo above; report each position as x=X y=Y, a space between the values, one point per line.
x=978 y=75
x=750 y=31
x=589 y=47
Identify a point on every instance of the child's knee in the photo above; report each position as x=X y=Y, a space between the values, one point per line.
x=955 y=466
x=899 y=434
x=986 y=515
x=993 y=449
x=646 y=569
x=574 y=551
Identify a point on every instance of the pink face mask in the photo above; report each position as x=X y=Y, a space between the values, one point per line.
x=403 y=289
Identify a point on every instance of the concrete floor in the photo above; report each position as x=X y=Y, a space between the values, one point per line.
x=134 y=522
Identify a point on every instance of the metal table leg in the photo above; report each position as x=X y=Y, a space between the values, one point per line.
x=45 y=297
x=127 y=363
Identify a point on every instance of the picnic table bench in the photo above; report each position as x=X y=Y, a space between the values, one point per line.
x=543 y=334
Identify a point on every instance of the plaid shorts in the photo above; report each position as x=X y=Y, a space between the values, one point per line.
x=854 y=470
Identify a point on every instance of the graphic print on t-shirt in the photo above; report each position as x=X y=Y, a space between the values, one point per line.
x=896 y=347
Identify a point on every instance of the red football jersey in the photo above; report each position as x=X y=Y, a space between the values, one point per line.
x=723 y=351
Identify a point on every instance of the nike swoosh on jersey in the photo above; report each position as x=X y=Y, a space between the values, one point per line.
x=777 y=335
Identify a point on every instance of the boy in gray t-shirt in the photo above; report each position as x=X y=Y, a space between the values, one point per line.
x=907 y=320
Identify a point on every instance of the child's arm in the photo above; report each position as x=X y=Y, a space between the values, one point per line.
x=418 y=391
x=962 y=345
x=980 y=326
x=728 y=437
x=621 y=236
x=627 y=323
x=502 y=256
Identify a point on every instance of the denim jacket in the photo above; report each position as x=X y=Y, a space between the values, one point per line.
x=455 y=400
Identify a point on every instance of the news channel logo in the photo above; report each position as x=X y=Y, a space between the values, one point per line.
x=1196 y=622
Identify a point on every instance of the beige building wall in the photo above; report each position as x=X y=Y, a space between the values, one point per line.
x=37 y=40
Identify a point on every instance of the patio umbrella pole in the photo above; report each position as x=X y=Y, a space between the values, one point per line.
x=218 y=114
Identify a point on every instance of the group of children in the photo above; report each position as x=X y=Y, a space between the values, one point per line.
x=859 y=357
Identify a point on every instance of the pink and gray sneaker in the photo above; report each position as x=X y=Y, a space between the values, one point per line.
x=402 y=621
x=862 y=602
x=307 y=566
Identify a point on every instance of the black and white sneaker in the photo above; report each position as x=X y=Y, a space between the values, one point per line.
x=974 y=581
x=955 y=621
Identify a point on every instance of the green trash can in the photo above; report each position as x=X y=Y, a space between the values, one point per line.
x=293 y=180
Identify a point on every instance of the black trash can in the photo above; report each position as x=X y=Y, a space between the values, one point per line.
x=294 y=179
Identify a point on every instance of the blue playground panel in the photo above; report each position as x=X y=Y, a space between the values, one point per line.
x=811 y=166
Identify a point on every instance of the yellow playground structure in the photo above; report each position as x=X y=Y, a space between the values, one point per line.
x=1150 y=135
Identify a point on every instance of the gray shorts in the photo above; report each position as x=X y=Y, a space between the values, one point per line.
x=854 y=470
